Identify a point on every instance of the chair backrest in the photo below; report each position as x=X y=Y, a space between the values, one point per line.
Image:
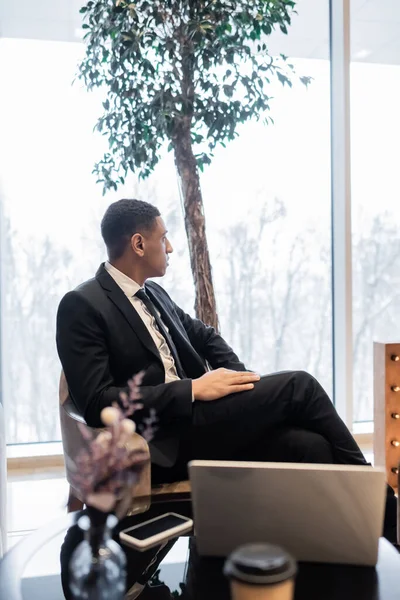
x=73 y=441
x=70 y=419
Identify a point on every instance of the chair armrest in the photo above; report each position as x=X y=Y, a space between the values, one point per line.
x=69 y=407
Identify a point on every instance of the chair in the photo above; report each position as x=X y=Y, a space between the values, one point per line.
x=72 y=443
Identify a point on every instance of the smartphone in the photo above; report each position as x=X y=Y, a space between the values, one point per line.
x=155 y=531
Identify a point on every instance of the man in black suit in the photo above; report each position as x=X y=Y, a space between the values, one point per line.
x=208 y=405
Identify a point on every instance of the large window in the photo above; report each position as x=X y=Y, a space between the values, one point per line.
x=267 y=201
x=267 y=198
x=49 y=213
x=375 y=158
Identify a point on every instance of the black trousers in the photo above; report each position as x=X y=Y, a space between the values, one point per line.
x=249 y=425
x=287 y=417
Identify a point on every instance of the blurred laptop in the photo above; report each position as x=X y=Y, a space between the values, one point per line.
x=319 y=513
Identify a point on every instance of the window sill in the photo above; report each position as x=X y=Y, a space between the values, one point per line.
x=34 y=457
x=34 y=450
x=363 y=427
x=364 y=435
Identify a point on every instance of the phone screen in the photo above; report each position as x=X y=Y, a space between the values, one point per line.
x=147 y=530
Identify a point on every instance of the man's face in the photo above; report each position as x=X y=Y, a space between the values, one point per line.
x=156 y=248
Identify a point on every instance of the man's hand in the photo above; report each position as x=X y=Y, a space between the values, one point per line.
x=221 y=382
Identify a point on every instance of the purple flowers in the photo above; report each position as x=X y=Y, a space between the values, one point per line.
x=112 y=460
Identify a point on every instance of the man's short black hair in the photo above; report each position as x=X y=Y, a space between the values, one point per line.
x=122 y=220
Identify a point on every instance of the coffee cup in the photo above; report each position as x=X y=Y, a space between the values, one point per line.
x=261 y=572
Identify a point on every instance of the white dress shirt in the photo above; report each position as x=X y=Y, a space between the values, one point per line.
x=130 y=287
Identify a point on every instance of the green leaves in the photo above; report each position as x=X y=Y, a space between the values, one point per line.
x=306 y=80
x=202 y=160
x=283 y=78
x=177 y=70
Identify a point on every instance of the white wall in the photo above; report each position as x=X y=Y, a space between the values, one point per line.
x=375 y=27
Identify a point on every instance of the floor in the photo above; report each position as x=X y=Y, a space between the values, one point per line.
x=33 y=500
x=36 y=499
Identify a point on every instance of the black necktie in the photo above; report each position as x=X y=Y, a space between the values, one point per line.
x=141 y=294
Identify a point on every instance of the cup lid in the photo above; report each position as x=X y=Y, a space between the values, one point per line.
x=260 y=564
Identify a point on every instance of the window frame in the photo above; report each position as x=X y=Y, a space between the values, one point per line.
x=342 y=306
x=341 y=251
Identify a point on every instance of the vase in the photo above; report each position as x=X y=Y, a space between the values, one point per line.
x=98 y=564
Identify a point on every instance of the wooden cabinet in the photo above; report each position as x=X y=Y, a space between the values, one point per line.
x=387 y=409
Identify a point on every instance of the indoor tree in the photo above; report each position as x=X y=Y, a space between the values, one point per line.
x=186 y=72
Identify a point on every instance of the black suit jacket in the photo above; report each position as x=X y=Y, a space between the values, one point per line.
x=102 y=342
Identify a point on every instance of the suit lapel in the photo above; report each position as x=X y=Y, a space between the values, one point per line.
x=123 y=304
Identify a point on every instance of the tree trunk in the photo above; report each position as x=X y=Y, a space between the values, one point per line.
x=195 y=225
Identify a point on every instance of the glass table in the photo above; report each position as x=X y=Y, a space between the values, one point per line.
x=37 y=568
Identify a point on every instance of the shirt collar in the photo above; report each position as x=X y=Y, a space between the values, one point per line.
x=127 y=285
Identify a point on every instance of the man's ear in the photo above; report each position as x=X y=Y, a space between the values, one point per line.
x=137 y=244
